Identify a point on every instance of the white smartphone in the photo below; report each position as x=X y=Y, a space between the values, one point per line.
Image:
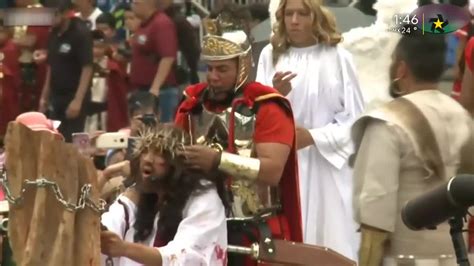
x=112 y=140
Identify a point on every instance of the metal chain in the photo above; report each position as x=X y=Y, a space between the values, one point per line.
x=84 y=200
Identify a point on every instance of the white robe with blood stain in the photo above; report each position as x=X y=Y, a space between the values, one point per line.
x=201 y=238
x=326 y=99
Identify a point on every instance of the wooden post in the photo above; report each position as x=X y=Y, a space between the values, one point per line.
x=41 y=230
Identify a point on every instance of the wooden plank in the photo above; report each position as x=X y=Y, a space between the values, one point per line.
x=18 y=170
x=65 y=164
x=87 y=231
x=41 y=230
x=291 y=253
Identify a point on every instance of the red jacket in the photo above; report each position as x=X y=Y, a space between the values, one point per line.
x=117 y=111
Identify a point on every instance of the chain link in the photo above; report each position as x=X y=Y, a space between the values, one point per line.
x=84 y=200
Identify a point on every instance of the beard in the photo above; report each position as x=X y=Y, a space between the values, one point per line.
x=219 y=96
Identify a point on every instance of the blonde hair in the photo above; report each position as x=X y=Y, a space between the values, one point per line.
x=324 y=28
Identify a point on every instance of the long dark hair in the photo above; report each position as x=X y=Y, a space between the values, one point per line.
x=178 y=186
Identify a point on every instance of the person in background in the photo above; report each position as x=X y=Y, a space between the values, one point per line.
x=109 y=90
x=171 y=216
x=154 y=50
x=306 y=64
x=259 y=13
x=31 y=38
x=118 y=12
x=10 y=79
x=404 y=149
x=247 y=19
x=131 y=21
x=112 y=181
x=131 y=24
x=143 y=109
x=70 y=67
x=188 y=42
x=463 y=52
x=88 y=11
x=105 y=22
x=466 y=95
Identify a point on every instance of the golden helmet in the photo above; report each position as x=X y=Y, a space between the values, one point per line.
x=225 y=39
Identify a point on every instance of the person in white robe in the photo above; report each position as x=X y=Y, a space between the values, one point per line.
x=197 y=236
x=318 y=77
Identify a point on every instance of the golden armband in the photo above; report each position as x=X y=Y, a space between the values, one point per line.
x=239 y=166
x=372 y=246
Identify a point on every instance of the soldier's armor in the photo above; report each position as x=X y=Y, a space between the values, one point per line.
x=212 y=129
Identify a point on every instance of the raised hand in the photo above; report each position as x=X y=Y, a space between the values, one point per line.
x=281 y=81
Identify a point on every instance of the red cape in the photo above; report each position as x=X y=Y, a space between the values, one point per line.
x=254 y=93
x=41 y=33
x=117 y=111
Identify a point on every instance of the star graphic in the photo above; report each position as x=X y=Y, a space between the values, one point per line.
x=438 y=24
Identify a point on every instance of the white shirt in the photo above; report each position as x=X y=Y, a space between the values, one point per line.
x=201 y=238
x=92 y=17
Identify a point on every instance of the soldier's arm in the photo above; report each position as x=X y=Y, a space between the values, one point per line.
x=274 y=137
x=376 y=176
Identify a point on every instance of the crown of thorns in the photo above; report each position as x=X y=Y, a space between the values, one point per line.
x=166 y=140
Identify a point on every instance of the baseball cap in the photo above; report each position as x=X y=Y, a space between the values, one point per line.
x=37 y=121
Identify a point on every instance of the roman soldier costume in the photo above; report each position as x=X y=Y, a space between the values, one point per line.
x=32 y=74
x=259 y=212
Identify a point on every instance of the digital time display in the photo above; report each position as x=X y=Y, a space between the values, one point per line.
x=431 y=19
x=401 y=20
x=405 y=23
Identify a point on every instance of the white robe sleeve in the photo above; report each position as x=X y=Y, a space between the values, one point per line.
x=115 y=221
x=201 y=238
x=333 y=140
x=264 y=66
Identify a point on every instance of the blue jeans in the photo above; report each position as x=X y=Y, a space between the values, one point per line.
x=169 y=100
